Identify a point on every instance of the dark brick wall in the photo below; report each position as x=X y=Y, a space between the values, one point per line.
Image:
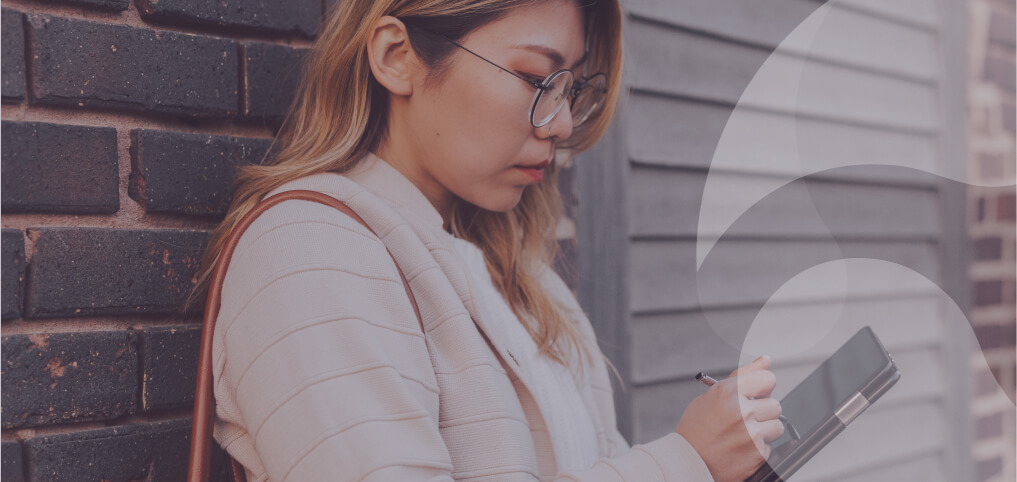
x=188 y=173
x=59 y=168
x=67 y=377
x=122 y=126
x=82 y=63
x=12 y=56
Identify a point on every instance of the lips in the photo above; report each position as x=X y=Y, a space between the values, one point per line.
x=534 y=171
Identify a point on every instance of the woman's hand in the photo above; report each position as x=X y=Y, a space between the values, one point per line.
x=732 y=424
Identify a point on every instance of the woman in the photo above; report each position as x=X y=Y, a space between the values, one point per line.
x=424 y=118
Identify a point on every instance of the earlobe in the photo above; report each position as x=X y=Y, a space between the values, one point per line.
x=390 y=55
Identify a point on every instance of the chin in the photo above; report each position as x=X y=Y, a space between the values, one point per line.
x=500 y=202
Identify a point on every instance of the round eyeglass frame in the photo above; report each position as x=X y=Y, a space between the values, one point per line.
x=575 y=89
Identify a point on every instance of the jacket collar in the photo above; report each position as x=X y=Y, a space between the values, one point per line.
x=384 y=181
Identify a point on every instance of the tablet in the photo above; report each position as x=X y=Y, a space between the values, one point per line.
x=832 y=396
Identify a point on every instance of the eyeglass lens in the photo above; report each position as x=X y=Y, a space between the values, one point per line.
x=552 y=97
x=557 y=90
x=589 y=98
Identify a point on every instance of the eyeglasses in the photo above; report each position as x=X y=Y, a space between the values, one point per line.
x=585 y=95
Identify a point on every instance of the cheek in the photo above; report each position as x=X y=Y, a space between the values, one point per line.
x=479 y=131
x=493 y=115
x=486 y=128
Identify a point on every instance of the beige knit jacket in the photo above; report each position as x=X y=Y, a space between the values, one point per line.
x=322 y=372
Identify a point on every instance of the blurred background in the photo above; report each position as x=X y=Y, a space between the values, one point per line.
x=780 y=174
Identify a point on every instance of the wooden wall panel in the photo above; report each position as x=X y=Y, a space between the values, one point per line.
x=663 y=276
x=685 y=133
x=671 y=346
x=668 y=203
x=661 y=59
x=831 y=34
x=923 y=13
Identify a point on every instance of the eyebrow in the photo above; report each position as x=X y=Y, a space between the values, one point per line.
x=556 y=57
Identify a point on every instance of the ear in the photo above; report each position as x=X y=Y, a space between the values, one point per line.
x=390 y=55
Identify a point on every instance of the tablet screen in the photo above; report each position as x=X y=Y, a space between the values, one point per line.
x=813 y=401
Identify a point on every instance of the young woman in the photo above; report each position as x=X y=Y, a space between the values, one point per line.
x=438 y=123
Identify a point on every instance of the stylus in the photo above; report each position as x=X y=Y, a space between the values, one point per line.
x=710 y=381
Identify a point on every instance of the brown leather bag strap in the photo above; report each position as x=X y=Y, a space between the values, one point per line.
x=204 y=398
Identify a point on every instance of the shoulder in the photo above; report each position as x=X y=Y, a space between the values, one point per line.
x=301 y=261
x=293 y=223
x=297 y=242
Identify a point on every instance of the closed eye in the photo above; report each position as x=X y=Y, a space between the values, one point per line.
x=532 y=78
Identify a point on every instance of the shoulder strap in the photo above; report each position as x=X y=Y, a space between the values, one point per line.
x=204 y=400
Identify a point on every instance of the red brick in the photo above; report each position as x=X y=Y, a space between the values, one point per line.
x=989 y=426
x=1001 y=28
x=999 y=69
x=995 y=336
x=988 y=249
x=1005 y=207
x=988 y=293
x=993 y=166
x=988 y=469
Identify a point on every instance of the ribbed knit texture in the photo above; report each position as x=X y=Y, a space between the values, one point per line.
x=322 y=372
x=572 y=431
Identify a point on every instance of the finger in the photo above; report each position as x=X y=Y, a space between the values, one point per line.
x=761 y=363
x=755 y=384
x=761 y=409
x=771 y=430
x=759 y=434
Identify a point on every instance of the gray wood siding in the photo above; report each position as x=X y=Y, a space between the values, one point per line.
x=864 y=113
x=677 y=132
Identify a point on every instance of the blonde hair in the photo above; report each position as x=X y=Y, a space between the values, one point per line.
x=341 y=113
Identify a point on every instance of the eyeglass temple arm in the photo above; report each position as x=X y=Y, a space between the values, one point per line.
x=535 y=84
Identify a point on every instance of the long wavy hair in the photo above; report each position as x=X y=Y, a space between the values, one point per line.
x=341 y=113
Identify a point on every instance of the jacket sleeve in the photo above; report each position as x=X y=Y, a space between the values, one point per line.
x=323 y=357
x=669 y=458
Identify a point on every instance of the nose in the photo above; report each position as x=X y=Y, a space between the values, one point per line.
x=560 y=126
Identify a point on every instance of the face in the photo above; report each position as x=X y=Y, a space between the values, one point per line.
x=469 y=134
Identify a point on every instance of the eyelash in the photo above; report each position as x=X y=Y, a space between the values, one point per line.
x=532 y=78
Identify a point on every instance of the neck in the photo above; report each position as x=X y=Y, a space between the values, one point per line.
x=402 y=159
